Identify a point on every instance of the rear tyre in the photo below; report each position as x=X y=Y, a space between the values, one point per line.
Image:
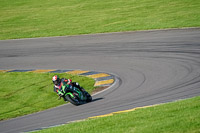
x=72 y=100
x=89 y=97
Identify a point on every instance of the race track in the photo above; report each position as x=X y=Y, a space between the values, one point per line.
x=151 y=67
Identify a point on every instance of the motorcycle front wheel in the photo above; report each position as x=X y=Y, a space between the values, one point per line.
x=72 y=100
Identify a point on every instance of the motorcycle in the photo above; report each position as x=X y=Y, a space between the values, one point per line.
x=75 y=96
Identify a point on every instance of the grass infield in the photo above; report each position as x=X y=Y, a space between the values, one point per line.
x=44 y=18
x=26 y=92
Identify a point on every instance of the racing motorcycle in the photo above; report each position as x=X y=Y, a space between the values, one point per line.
x=76 y=97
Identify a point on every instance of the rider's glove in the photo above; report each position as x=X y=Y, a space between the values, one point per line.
x=60 y=95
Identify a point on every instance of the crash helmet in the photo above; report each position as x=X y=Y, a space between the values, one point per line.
x=56 y=80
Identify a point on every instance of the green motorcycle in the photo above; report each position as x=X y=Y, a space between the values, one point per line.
x=75 y=96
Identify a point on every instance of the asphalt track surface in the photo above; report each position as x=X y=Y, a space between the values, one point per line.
x=151 y=67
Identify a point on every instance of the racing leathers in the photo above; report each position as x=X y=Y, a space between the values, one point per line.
x=66 y=83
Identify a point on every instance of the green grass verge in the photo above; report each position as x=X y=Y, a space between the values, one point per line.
x=39 y=18
x=26 y=92
x=177 y=117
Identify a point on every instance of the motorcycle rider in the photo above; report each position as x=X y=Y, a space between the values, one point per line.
x=58 y=83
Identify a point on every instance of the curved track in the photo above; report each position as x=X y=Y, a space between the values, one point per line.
x=151 y=67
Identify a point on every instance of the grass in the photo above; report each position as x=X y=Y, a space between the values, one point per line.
x=26 y=92
x=36 y=18
x=177 y=117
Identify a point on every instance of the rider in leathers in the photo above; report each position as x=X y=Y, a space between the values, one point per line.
x=58 y=83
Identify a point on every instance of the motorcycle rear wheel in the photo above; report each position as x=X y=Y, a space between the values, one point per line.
x=89 y=97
